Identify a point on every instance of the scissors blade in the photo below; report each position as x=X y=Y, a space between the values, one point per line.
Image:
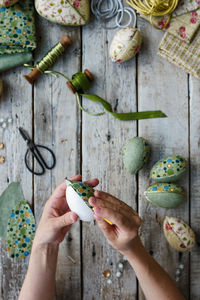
x=24 y=134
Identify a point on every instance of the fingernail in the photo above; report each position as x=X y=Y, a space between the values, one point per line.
x=73 y=217
x=92 y=200
x=97 y=210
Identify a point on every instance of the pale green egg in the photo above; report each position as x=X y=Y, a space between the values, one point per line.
x=135 y=154
x=166 y=195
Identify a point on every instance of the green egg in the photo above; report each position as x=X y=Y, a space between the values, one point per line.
x=169 y=169
x=135 y=154
x=166 y=195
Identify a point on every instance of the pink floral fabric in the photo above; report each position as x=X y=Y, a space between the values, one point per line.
x=65 y=12
x=7 y=3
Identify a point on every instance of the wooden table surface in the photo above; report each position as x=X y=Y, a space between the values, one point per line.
x=93 y=146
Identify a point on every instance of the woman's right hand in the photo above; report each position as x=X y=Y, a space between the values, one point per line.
x=126 y=222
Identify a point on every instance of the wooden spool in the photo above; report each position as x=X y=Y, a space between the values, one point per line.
x=89 y=76
x=31 y=77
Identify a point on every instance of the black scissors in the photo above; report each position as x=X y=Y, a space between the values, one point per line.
x=34 y=149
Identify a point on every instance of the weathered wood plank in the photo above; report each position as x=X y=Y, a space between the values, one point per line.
x=57 y=126
x=102 y=141
x=194 y=186
x=162 y=86
x=16 y=102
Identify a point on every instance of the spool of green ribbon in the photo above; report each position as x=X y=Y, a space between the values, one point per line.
x=81 y=82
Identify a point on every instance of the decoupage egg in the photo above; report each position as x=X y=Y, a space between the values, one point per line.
x=125 y=44
x=169 y=169
x=7 y=3
x=178 y=234
x=135 y=154
x=71 y=13
x=77 y=195
x=166 y=195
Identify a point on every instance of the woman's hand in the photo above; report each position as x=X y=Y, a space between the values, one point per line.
x=126 y=222
x=57 y=218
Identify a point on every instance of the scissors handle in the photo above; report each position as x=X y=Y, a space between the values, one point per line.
x=39 y=158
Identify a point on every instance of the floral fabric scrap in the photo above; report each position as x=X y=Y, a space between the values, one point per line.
x=17 y=28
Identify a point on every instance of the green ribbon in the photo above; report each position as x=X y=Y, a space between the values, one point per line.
x=125 y=116
x=82 y=83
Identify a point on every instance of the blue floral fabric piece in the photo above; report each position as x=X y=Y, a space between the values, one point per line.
x=17 y=28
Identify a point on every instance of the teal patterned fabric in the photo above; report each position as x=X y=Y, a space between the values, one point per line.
x=20 y=231
x=17 y=28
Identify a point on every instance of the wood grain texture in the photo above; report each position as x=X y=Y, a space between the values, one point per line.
x=162 y=86
x=16 y=102
x=102 y=141
x=56 y=124
x=194 y=186
x=94 y=145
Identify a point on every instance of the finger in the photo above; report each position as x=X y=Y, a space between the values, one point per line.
x=60 y=190
x=114 y=202
x=121 y=221
x=65 y=220
x=93 y=182
x=106 y=228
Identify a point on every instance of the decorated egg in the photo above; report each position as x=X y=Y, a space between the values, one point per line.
x=7 y=3
x=178 y=234
x=166 y=195
x=77 y=195
x=125 y=44
x=71 y=13
x=169 y=169
x=135 y=154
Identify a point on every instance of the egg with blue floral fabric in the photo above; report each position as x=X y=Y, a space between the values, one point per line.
x=169 y=169
x=166 y=195
x=135 y=154
x=77 y=195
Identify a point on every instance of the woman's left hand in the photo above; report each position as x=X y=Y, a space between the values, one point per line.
x=57 y=218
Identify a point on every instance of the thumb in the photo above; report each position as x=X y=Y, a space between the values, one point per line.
x=67 y=219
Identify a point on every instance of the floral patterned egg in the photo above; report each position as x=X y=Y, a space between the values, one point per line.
x=178 y=234
x=20 y=231
x=135 y=154
x=166 y=195
x=77 y=195
x=7 y=3
x=125 y=44
x=169 y=169
x=71 y=13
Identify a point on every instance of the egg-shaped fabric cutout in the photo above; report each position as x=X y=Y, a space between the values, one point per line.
x=77 y=195
x=178 y=234
x=169 y=169
x=135 y=154
x=7 y=3
x=20 y=231
x=70 y=13
x=166 y=195
x=125 y=44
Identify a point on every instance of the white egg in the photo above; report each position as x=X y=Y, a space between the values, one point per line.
x=78 y=205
